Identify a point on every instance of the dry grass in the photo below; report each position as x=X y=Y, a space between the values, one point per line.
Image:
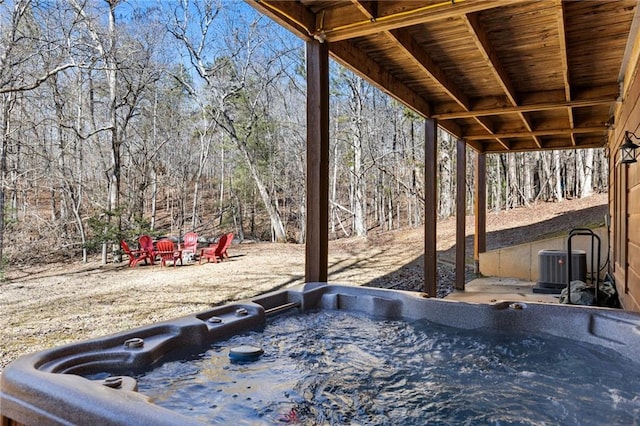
x=42 y=306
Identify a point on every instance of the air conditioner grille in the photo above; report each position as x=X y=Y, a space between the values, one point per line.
x=553 y=267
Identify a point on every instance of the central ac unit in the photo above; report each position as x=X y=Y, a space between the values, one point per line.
x=553 y=269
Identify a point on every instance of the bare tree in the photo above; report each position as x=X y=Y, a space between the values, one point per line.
x=22 y=71
x=237 y=78
x=357 y=190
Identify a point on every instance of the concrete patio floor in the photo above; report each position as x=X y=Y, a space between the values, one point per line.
x=493 y=289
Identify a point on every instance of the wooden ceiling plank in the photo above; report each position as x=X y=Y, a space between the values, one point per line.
x=565 y=63
x=338 y=28
x=407 y=43
x=563 y=50
x=481 y=40
x=352 y=57
x=476 y=145
x=611 y=90
x=368 y=8
x=529 y=127
x=551 y=46
x=451 y=127
x=488 y=126
x=504 y=144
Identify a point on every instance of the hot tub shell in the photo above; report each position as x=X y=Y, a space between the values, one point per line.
x=48 y=388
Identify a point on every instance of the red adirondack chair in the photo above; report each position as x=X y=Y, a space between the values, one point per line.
x=222 y=251
x=167 y=251
x=135 y=256
x=146 y=244
x=190 y=245
x=219 y=250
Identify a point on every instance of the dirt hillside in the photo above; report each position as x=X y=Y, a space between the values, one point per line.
x=42 y=306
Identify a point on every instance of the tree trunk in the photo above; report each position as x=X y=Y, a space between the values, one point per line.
x=112 y=81
x=587 y=185
x=359 y=213
x=497 y=185
x=7 y=100
x=527 y=171
x=558 y=176
x=334 y=185
x=445 y=175
x=221 y=186
x=274 y=216
x=513 y=190
x=359 y=226
x=154 y=197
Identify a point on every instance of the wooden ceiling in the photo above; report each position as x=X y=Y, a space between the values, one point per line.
x=504 y=75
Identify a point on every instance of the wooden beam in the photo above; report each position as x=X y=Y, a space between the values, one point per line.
x=563 y=50
x=487 y=51
x=480 y=210
x=317 y=228
x=430 y=208
x=368 y=8
x=537 y=133
x=355 y=59
x=292 y=15
x=488 y=126
x=340 y=25
x=461 y=213
x=529 y=127
x=489 y=148
x=481 y=39
x=565 y=64
x=411 y=48
x=543 y=106
x=477 y=146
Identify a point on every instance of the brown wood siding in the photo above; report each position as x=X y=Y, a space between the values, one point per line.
x=631 y=297
x=612 y=203
x=634 y=258
x=624 y=188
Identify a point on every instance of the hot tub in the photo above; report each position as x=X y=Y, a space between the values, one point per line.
x=67 y=385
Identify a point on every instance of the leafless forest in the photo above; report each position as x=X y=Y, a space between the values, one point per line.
x=127 y=117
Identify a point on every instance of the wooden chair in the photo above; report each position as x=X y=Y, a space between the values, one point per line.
x=219 y=250
x=167 y=251
x=222 y=252
x=135 y=256
x=190 y=245
x=209 y=253
x=146 y=244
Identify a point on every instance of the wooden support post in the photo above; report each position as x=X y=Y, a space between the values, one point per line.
x=461 y=213
x=430 y=208
x=480 y=209
x=317 y=223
